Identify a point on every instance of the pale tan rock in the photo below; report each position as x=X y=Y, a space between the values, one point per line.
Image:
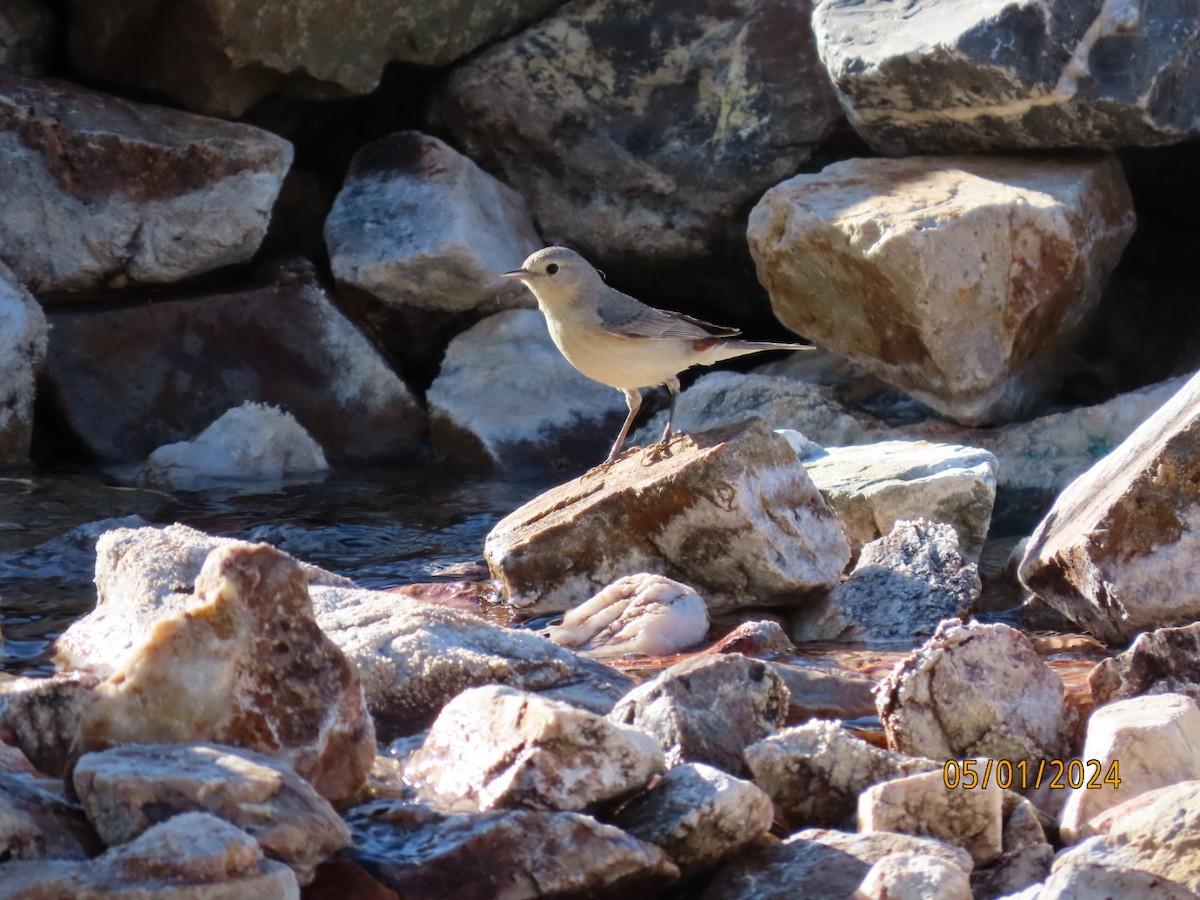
x=815 y=772
x=698 y=815
x=1090 y=872
x=194 y=856
x=730 y=512
x=976 y=690
x=961 y=280
x=914 y=877
x=1148 y=742
x=1115 y=553
x=23 y=337
x=903 y=585
x=518 y=854
x=505 y=397
x=873 y=486
x=708 y=709
x=494 y=747
x=821 y=865
x=127 y=790
x=244 y=664
x=1027 y=855
x=103 y=192
x=924 y=805
x=641 y=614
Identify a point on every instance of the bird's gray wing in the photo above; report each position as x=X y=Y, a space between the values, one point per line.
x=623 y=315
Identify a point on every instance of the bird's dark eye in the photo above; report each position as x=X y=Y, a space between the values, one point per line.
x=552 y=268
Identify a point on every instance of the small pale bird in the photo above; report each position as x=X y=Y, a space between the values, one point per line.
x=619 y=341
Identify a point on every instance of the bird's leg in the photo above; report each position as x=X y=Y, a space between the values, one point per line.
x=673 y=388
x=633 y=399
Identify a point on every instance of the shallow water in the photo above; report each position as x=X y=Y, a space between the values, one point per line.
x=379 y=526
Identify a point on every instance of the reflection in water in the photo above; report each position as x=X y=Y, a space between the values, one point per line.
x=381 y=527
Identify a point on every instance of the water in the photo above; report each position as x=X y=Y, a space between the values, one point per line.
x=379 y=526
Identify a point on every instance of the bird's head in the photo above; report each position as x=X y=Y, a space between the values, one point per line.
x=557 y=275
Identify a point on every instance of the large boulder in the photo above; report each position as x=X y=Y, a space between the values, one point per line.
x=961 y=280
x=101 y=192
x=417 y=239
x=1116 y=552
x=731 y=512
x=506 y=398
x=23 y=336
x=132 y=377
x=931 y=77
x=222 y=57
x=641 y=131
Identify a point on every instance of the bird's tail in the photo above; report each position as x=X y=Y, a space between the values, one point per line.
x=729 y=348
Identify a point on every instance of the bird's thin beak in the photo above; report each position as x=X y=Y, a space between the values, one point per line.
x=519 y=274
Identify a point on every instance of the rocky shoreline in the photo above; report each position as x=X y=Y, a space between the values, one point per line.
x=244 y=244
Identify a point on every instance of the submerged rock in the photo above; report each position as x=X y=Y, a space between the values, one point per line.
x=495 y=747
x=101 y=192
x=932 y=78
x=639 y=614
x=194 y=856
x=506 y=398
x=707 y=709
x=1116 y=552
x=964 y=281
x=903 y=585
x=521 y=854
x=252 y=442
x=244 y=664
x=23 y=337
x=976 y=691
x=731 y=512
x=127 y=790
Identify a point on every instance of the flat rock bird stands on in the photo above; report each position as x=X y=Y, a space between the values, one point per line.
x=616 y=340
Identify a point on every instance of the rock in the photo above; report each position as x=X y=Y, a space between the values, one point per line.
x=23 y=335
x=639 y=614
x=820 y=692
x=494 y=747
x=415 y=657
x=976 y=691
x=195 y=856
x=251 y=442
x=1083 y=877
x=320 y=368
x=1027 y=855
x=1163 y=661
x=708 y=709
x=104 y=193
x=37 y=821
x=1038 y=457
x=821 y=865
x=1154 y=834
x=244 y=664
x=698 y=815
x=652 y=96
x=507 y=398
x=730 y=512
x=41 y=715
x=815 y=772
x=127 y=790
x=1132 y=746
x=1006 y=76
x=27 y=35
x=757 y=637
x=923 y=804
x=223 y=58
x=418 y=224
x=1115 y=552
x=964 y=281
x=918 y=877
x=521 y=854
x=874 y=486
x=903 y=586
x=339 y=878
x=144 y=575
